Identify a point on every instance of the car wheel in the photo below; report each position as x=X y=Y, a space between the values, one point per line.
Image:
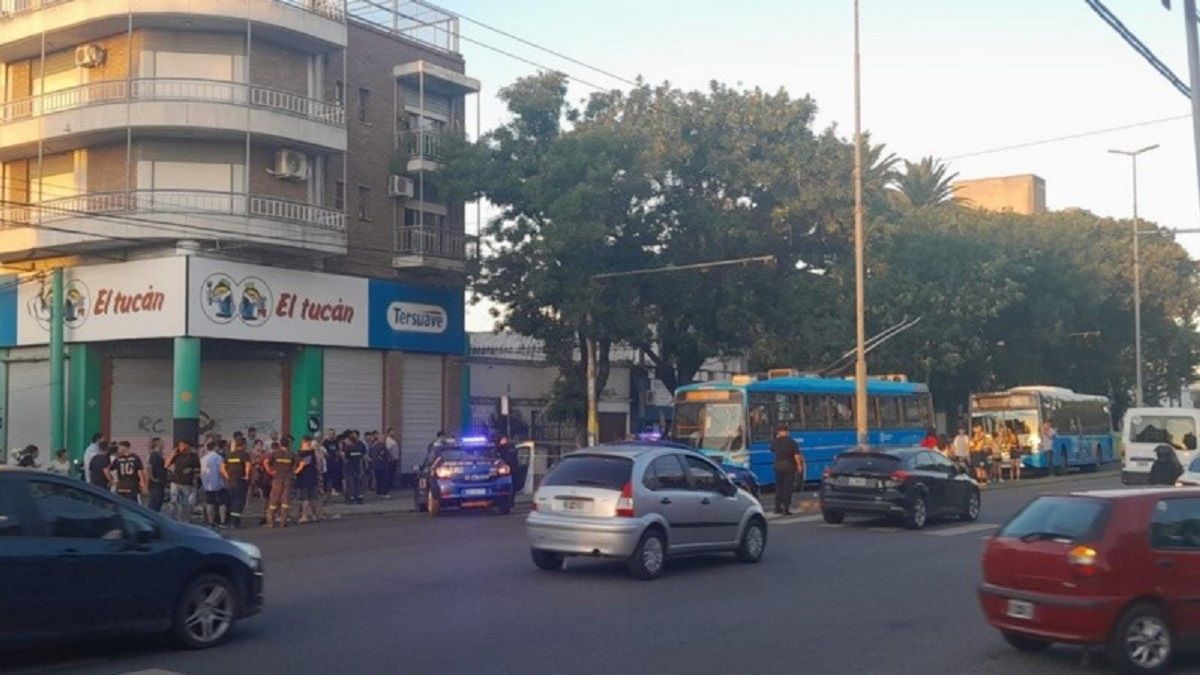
x=505 y=506
x=754 y=542
x=918 y=513
x=649 y=557
x=205 y=612
x=545 y=560
x=433 y=505
x=1141 y=642
x=970 y=513
x=1024 y=643
x=833 y=517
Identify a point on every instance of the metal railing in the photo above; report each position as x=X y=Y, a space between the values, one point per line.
x=172 y=89
x=423 y=144
x=11 y=8
x=330 y=9
x=174 y=201
x=431 y=241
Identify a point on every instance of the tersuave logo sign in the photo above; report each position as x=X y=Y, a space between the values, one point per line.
x=410 y=317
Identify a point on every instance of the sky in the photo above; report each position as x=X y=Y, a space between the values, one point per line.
x=948 y=78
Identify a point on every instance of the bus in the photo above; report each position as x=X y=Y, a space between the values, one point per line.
x=1082 y=424
x=734 y=420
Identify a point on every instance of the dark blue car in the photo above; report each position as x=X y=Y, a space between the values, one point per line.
x=78 y=562
x=466 y=473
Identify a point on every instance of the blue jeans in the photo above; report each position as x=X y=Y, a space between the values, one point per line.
x=183 y=499
x=354 y=481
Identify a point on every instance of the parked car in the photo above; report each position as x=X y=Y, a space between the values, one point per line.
x=914 y=484
x=1191 y=475
x=78 y=562
x=642 y=504
x=741 y=476
x=464 y=474
x=1112 y=567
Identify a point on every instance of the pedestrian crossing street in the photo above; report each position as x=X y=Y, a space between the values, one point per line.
x=932 y=530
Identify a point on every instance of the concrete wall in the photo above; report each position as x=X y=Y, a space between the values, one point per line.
x=1025 y=194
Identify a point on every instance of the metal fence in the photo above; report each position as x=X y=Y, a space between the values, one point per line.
x=431 y=241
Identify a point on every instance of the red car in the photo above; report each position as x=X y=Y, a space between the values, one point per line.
x=1113 y=567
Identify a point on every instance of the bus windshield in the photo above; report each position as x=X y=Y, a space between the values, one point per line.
x=1023 y=423
x=709 y=426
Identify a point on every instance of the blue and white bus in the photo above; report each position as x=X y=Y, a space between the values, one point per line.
x=735 y=420
x=1082 y=425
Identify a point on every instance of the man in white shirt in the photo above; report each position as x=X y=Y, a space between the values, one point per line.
x=92 y=450
x=216 y=501
x=393 y=450
x=1046 y=444
x=960 y=449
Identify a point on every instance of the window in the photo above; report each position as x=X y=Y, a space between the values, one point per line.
x=364 y=100
x=816 y=412
x=842 y=410
x=665 y=473
x=703 y=476
x=364 y=193
x=1176 y=524
x=72 y=513
x=339 y=93
x=1178 y=431
x=10 y=522
x=138 y=523
x=339 y=195
x=760 y=418
x=412 y=218
x=591 y=470
x=194 y=176
x=889 y=412
x=1069 y=518
x=914 y=413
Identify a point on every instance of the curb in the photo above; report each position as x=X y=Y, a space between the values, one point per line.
x=1050 y=480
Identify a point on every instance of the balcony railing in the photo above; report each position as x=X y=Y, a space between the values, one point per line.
x=330 y=9
x=174 y=202
x=433 y=242
x=423 y=144
x=169 y=89
x=9 y=8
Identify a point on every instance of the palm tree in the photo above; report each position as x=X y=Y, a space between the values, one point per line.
x=926 y=183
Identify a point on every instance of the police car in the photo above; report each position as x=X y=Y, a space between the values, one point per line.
x=464 y=473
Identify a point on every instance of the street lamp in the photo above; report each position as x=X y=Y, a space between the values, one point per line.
x=1137 y=273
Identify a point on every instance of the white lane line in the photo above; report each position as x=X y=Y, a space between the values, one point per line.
x=961 y=529
x=792 y=520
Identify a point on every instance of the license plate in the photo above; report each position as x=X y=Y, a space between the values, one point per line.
x=1019 y=609
x=474 y=492
x=581 y=505
x=857 y=482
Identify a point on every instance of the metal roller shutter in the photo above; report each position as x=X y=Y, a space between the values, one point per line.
x=140 y=401
x=238 y=394
x=28 y=406
x=420 y=404
x=354 y=389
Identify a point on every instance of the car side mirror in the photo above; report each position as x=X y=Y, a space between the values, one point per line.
x=145 y=536
x=729 y=489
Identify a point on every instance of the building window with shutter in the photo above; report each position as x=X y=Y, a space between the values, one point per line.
x=339 y=195
x=364 y=99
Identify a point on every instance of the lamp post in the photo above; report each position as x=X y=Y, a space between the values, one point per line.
x=860 y=359
x=1137 y=273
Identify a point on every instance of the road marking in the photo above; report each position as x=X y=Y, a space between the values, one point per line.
x=792 y=520
x=961 y=529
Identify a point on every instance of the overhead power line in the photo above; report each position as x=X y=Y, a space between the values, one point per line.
x=1069 y=137
x=1138 y=46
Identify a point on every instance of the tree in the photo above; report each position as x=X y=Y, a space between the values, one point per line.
x=927 y=182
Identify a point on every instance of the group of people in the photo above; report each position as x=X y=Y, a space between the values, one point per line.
x=987 y=455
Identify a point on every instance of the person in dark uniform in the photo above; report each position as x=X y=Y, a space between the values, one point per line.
x=333 y=462
x=788 y=461
x=281 y=466
x=97 y=468
x=1166 y=468
x=156 y=476
x=127 y=473
x=306 y=479
x=355 y=454
x=236 y=471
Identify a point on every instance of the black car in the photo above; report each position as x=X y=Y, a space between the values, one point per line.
x=466 y=473
x=77 y=562
x=914 y=484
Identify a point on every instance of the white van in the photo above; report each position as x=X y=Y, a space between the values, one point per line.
x=1147 y=428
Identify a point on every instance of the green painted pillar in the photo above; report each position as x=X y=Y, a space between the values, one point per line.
x=57 y=409
x=85 y=378
x=186 y=402
x=3 y=406
x=308 y=392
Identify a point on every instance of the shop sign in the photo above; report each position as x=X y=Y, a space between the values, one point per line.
x=105 y=302
x=247 y=302
x=419 y=319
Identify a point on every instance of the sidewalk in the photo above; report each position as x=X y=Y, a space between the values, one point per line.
x=336 y=508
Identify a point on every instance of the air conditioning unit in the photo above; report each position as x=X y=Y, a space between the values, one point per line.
x=291 y=165
x=400 y=186
x=89 y=56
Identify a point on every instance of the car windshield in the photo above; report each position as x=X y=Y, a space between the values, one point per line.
x=866 y=463
x=1070 y=518
x=591 y=470
x=467 y=454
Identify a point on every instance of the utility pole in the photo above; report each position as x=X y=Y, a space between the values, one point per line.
x=1137 y=273
x=1193 y=57
x=860 y=361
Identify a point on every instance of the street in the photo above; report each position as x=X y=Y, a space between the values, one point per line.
x=413 y=594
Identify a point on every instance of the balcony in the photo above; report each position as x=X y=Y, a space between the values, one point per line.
x=168 y=102
x=432 y=248
x=422 y=149
x=90 y=220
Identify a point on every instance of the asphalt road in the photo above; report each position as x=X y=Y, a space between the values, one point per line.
x=458 y=594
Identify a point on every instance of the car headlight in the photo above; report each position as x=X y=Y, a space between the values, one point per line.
x=249 y=549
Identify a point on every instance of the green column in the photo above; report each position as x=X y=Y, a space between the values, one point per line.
x=3 y=406
x=57 y=428
x=186 y=402
x=308 y=392
x=85 y=373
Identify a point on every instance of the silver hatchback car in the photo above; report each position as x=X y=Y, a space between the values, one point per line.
x=642 y=504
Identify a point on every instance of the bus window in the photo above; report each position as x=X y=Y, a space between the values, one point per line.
x=785 y=410
x=798 y=412
x=842 y=410
x=760 y=418
x=816 y=411
x=873 y=411
x=914 y=413
x=889 y=412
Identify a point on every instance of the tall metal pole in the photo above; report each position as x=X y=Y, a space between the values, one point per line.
x=860 y=362
x=593 y=413
x=1137 y=274
x=57 y=395
x=1193 y=57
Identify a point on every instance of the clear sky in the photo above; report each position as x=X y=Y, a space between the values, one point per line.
x=940 y=77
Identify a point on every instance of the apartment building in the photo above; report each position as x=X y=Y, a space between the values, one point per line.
x=243 y=195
